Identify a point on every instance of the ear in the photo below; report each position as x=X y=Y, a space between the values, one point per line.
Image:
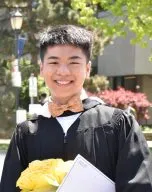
x=88 y=70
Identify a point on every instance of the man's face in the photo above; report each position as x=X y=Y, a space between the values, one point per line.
x=64 y=69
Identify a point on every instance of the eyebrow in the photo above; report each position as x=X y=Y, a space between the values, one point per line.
x=53 y=57
x=73 y=57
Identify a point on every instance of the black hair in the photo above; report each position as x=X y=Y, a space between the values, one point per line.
x=66 y=35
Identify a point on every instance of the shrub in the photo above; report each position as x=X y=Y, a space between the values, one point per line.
x=96 y=84
x=122 y=98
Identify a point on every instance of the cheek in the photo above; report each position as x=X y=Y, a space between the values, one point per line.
x=47 y=72
x=46 y=76
x=81 y=76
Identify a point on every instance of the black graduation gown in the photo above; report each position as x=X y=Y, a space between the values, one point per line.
x=109 y=138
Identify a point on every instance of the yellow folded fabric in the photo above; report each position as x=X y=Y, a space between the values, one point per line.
x=43 y=176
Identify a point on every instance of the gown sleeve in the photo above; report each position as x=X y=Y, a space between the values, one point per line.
x=14 y=163
x=134 y=165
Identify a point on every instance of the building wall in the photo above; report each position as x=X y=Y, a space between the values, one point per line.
x=142 y=63
x=117 y=59
x=122 y=59
x=146 y=87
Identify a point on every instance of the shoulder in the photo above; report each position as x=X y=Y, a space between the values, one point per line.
x=120 y=121
x=29 y=126
x=102 y=114
x=116 y=115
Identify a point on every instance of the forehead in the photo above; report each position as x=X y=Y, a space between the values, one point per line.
x=64 y=51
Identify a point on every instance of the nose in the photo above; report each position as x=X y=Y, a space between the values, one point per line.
x=63 y=70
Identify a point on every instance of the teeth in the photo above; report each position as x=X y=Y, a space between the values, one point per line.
x=63 y=82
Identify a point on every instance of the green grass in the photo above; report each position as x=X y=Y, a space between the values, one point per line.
x=3 y=147
x=146 y=129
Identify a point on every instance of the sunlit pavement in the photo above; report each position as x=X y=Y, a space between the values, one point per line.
x=2 y=156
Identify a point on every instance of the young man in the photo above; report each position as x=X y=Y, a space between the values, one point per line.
x=71 y=124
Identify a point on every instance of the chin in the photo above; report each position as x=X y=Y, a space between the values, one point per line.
x=64 y=95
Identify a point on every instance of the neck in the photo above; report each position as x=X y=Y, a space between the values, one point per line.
x=62 y=100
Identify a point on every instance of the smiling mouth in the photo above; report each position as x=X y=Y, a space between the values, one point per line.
x=63 y=82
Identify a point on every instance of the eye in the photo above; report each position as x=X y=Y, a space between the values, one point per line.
x=74 y=63
x=53 y=63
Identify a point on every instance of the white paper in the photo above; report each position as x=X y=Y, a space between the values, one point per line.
x=84 y=177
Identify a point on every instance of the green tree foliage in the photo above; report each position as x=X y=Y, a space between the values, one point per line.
x=38 y=14
x=7 y=101
x=27 y=68
x=107 y=18
x=116 y=17
x=96 y=84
